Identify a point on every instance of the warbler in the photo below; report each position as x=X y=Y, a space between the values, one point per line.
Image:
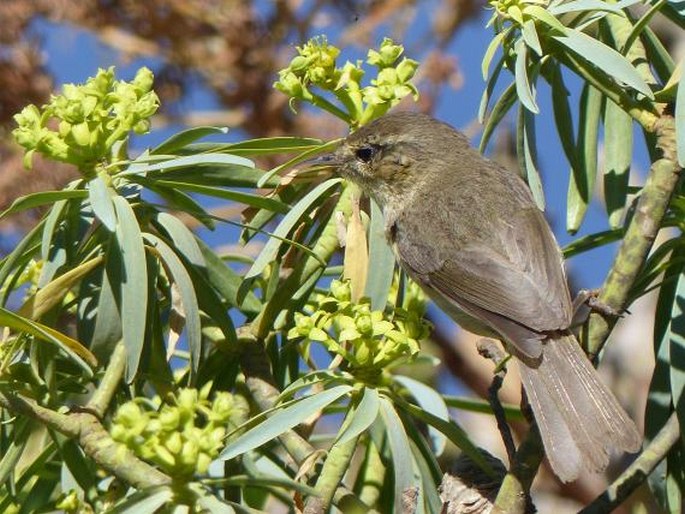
x=469 y=232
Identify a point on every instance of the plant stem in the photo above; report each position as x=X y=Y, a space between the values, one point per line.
x=334 y=468
x=103 y=395
x=96 y=442
x=638 y=471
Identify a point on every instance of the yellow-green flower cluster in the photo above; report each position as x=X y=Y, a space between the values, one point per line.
x=184 y=435
x=366 y=339
x=81 y=125
x=315 y=65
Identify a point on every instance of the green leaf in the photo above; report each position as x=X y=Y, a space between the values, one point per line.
x=183 y=238
x=133 y=284
x=273 y=245
x=144 y=500
x=21 y=253
x=100 y=196
x=527 y=155
x=403 y=460
x=591 y=5
x=188 y=161
x=191 y=314
x=487 y=92
x=253 y=200
x=178 y=200
x=181 y=139
x=381 y=261
x=582 y=183
x=605 y=58
x=618 y=155
x=490 y=52
x=270 y=145
x=543 y=15
x=222 y=175
x=562 y=115
x=74 y=350
x=304 y=156
x=454 y=433
x=530 y=36
x=677 y=350
x=499 y=110
x=282 y=421
x=592 y=241
x=524 y=90
x=361 y=417
x=680 y=118
x=227 y=282
x=431 y=401
x=41 y=198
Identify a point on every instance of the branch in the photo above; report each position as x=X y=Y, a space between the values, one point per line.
x=638 y=471
x=639 y=237
x=104 y=393
x=96 y=442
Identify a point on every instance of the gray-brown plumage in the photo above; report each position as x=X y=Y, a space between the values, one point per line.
x=469 y=232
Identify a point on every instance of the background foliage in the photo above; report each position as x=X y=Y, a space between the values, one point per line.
x=142 y=369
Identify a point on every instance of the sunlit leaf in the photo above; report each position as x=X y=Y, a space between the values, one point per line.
x=618 y=154
x=133 y=284
x=356 y=259
x=527 y=155
x=185 y=137
x=524 y=90
x=361 y=417
x=381 y=261
x=403 y=461
x=101 y=200
x=282 y=421
x=582 y=181
x=605 y=58
x=75 y=350
x=184 y=240
x=41 y=198
x=680 y=118
x=431 y=401
x=499 y=110
x=190 y=314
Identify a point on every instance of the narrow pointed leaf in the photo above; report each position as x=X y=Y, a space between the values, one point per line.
x=185 y=137
x=100 y=196
x=527 y=155
x=273 y=245
x=499 y=110
x=524 y=90
x=282 y=421
x=191 y=313
x=362 y=417
x=605 y=59
x=76 y=351
x=680 y=118
x=182 y=237
x=618 y=154
x=530 y=36
x=381 y=261
x=403 y=460
x=582 y=180
x=41 y=198
x=431 y=401
x=134 y=284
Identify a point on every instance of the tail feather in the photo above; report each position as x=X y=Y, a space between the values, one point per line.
x=580 y=420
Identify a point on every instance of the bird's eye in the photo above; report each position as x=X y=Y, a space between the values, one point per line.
x=366 y=153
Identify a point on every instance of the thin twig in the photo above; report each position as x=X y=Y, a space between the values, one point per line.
x=114 y=372
x=490 y=349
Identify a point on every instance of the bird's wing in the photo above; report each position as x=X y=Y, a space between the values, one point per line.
x=513 y=283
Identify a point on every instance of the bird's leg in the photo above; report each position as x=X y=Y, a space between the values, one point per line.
x=590 y=298
x=490 y=349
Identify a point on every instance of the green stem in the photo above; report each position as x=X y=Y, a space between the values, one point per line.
x=96 y=442
x=637 y=242
x=103 y=395
x=513 y=495
x=334 y=468
x=638 y=471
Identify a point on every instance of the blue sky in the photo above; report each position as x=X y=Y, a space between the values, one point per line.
x=73 y=54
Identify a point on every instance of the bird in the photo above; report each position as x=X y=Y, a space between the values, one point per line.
x=469 y=232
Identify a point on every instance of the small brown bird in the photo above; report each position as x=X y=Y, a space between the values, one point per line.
x=469 y=232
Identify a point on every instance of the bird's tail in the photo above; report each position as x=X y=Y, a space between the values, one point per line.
x=580 y=420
